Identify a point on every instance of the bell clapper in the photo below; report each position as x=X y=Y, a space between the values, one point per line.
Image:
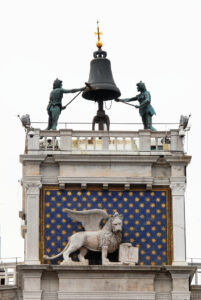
x=108 y=108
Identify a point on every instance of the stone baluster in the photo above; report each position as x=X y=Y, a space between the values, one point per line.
x=32 y=142
x=6 y=276
x=32 y=189
x=66 y=140
x=145 y=140
x=176 y=141
x=105 y=142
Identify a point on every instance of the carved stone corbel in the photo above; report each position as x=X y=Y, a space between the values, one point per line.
x=32 y=188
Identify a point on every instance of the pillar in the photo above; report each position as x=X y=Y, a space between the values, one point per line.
x=178 y=222
x=32 y=188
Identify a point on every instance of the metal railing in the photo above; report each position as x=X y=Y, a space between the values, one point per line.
x=113 y=126
x=8 y=270
x=197 y=263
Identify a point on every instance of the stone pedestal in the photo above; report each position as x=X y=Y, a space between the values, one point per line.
x=105 y=282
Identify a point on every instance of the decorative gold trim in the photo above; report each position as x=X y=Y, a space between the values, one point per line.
x=99 y=188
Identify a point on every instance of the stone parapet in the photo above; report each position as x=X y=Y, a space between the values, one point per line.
x=74 y=141
x=106 y=282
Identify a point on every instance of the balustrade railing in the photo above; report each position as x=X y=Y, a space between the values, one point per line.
x=197 y=276
x=8 y=270
x=105 y=141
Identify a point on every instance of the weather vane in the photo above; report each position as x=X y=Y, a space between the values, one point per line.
x=99 y=43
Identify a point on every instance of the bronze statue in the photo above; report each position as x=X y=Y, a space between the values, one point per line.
x=145 y=109
x=55 y=107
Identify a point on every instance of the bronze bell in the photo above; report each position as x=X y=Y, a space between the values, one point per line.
x=101 y=81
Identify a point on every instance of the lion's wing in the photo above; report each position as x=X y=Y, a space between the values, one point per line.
x=90 y=219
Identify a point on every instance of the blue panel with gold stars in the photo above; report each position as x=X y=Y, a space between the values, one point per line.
x=146 y=222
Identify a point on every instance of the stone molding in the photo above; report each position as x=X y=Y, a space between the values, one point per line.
x=106 y=180
x=107 y=274
x=105 y=158
x=113 y=295
x=31 y=295
x=149 y=181
x=181 y=295
x=163 y=296
x=178 y=188
x=32 y=185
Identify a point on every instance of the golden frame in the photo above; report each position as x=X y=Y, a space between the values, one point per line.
x=113 y=188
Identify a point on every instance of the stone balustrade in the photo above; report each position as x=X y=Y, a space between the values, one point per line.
x=74 y=141
x=8 y=274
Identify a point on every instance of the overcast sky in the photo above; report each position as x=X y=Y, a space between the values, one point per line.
x=156 y=41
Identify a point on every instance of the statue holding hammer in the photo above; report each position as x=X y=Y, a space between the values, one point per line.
x=55 y=107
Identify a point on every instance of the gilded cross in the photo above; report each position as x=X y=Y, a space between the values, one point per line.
x=99 y=44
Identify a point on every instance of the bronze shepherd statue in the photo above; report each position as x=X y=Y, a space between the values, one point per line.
x=55 y=107
x=145 y=108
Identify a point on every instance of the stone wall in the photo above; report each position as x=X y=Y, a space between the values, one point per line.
x=8 y=293
x=45 y=282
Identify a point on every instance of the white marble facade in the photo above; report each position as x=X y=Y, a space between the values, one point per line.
x=62 y=163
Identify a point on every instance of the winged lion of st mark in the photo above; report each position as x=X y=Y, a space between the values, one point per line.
x=105 y=240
